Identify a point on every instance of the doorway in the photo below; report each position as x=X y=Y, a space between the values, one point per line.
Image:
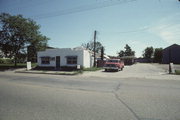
x=58 y=62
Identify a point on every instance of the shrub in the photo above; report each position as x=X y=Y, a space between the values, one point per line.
x=6 y=61
x=1 y=61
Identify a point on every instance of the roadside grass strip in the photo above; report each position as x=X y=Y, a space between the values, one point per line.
x=177 y=72
x=92 y=69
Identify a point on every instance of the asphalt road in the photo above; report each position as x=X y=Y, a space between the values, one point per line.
x=126 y=95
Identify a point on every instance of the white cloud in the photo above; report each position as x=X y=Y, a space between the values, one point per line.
x=168 y=29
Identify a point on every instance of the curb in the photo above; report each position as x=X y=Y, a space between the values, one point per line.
x=50 y=73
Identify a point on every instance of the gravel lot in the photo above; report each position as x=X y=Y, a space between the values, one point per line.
x=139 y=70
x=166 y=66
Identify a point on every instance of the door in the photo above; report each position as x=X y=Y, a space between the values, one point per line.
x=57 y=62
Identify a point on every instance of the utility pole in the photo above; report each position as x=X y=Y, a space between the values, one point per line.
x=95 y=48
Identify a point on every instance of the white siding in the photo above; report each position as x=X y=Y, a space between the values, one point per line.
x=83 y=56
x=86 y=59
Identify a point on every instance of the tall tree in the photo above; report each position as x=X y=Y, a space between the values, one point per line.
x=158 y=55
x=121 y=53
x=102 y=53
x=16 y=33
x=127 y=52
x=39 y=44
x=90 y=46
x=148 y=52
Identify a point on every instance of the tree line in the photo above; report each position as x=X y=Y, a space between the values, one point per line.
x=126 y=52
x=153 y=53
x=149 y=53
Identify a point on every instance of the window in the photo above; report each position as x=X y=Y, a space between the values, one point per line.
x=45 y=60
x=72 y=60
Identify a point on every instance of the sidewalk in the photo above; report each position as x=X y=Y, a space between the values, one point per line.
x=48 y=72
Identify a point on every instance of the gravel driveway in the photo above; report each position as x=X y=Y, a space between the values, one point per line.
x=139 y=70
x=166 y=66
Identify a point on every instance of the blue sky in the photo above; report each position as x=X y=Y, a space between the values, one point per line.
x=69 y=23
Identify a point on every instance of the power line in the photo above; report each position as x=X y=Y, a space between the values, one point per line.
x=130 y=31
x=142 y=29
x=17 y=5
x=81 y=9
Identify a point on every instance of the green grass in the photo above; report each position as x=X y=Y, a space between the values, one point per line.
x=18 y=64
x=11 y=66
x=92 y=69
x=177 y=72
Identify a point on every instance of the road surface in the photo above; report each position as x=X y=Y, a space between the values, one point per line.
x=140 y=92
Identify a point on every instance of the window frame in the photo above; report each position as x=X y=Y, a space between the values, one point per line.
x=45 y=60
x=71 y=60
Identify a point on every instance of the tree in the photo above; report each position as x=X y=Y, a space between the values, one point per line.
x=39 y=44
x=102 y=53
x=148 y=52
x=158 y=55
x=90 y=46
x=121 y=53
x=127 y=52
x=16 y=33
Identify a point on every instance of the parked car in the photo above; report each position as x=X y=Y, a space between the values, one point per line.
x=114 y=64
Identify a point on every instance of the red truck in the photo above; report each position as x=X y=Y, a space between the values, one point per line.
x=114 y=64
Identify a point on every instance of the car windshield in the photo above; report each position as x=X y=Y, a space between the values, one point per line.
x=110 y=65
x=116 y=61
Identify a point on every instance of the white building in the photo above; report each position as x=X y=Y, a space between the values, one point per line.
x=65 y=57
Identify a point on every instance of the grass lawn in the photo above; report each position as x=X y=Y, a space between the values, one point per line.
x=177 y=72
x=18 y=65
x=4 y=67
x=92 y=69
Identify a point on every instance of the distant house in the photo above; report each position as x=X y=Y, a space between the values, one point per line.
x=128 y=60
x=65 y=57
x=171 y=54
x=144 y=60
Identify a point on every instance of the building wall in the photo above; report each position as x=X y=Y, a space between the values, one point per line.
x=83 y=57
x=165 y=58
x=86 y=59
x=46 y=53
x=92 y=61
x=174 y=55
